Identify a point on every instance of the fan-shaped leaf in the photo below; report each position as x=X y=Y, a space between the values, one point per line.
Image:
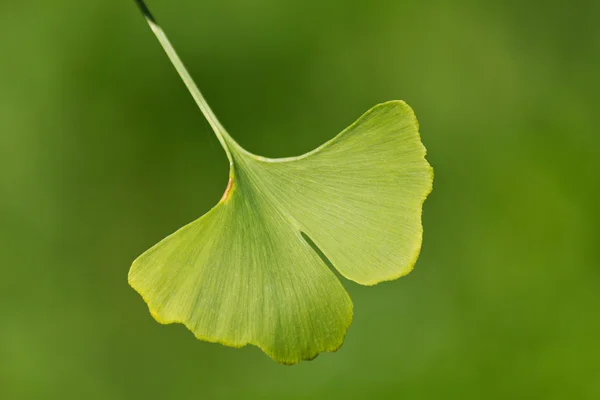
x=244 y=272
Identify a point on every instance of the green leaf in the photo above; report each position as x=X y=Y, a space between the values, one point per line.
x=244 y=273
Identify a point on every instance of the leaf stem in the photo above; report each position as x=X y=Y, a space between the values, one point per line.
x=219 y=130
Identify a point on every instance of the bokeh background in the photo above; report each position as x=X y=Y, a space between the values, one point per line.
x=103 y=153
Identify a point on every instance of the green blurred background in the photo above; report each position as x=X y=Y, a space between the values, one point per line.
x=103 y=153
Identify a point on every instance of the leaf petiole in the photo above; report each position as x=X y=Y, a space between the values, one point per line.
x=164 y=41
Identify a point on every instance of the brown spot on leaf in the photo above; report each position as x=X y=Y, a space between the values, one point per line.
x=228 y=189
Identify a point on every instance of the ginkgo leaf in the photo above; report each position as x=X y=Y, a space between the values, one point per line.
x=247 y=273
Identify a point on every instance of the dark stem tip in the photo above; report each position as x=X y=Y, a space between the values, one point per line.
x=145 y=10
